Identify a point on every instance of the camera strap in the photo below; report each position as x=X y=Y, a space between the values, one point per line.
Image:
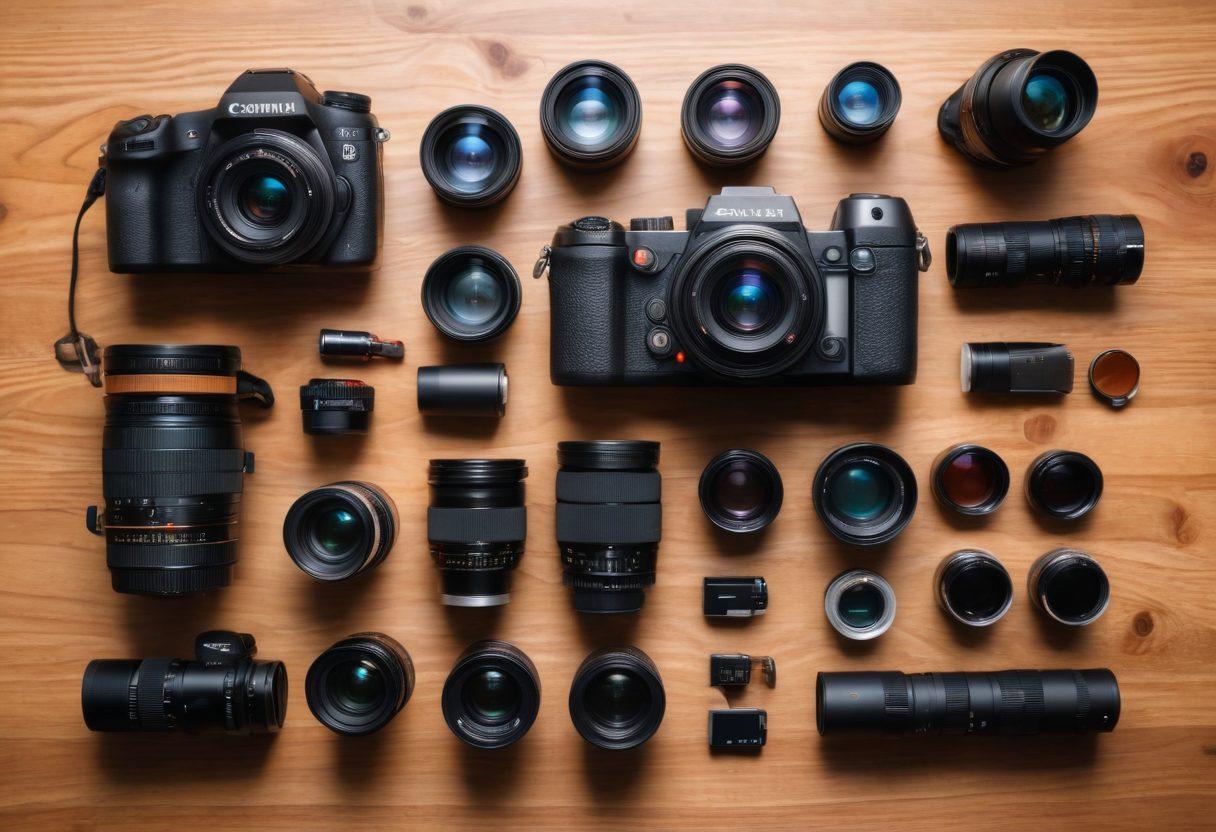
x=76 y=351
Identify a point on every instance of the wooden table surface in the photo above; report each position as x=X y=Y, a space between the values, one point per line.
x=69 y=70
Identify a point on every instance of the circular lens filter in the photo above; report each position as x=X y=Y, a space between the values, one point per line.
x=1114 y=377
x=859 y=604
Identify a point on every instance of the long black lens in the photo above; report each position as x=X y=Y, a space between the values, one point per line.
x=1091 y=250
x=341 y=529
x=492 y=695
x=1004 y=702
x=617 y=699
x=360 y=683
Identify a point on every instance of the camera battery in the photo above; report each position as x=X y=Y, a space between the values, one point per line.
x=738 y=728
x=734 y=597
x=735 y=669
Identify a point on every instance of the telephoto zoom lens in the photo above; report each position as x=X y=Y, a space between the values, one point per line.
x=173 y=465
x=865 y=494
x=340 y=530
x=1069 y=587
x=591 y=115
x=730 y=115
x=740 y=491
x=471 y=156
x=617 y=699
x=1004 y=702
x=492 y=695
x=859 y=103
x=359 y=684
x=477 y=523
x=609 y=521
x=1091 y=250
x=222 y=689
x=471 y=294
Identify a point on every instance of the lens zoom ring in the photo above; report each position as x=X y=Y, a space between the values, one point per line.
x=958 y=703
x=1021 y=705
x=609 y=487
x=897 y=704
x=171 y=581
x=150 y=694
x=136 y=461
x=616 y=524
x=1017 y=252
x=179 y=484
x=477 y=525
x=169 y=556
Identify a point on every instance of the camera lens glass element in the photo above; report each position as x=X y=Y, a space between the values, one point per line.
x=590 y=114
x=617 y=699
x=730 y=115
x=729 y=112
x=471 y=156
x=747 y=300
x=360 y=683
x=973 y=587
x=492 y=695
x=1114 y=377
x=341 y=529
x=859 y=103
x=864 y=493
x=1046 y=100
x=471 y=293
x=859 y=604
x=740 y=491
x=1069 y=586
x=265 y=199
x=1065 y=485
x=970 y=479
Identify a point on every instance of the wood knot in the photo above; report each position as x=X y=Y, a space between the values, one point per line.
x=1040 y=428
x=1142 y=624
x=501 y=57
x=1185 y=527
x=3 y=211
x=1196 y=164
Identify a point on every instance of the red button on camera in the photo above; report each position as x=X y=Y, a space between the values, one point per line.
x=643 y=258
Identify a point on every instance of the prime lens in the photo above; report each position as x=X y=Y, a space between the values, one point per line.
x=1069 y=586
x=492 y=695
x=591 y=115
x=864 y=493
x=336 y=406
x=617 y=699
x=730 y=115
x=970 y=479
x=340 y=530
x=471 y=156
x=740 y=491
x=471 y=293
x=609 y=521
x=476 y=523
x=859 y=103
x=973 y=587
x=1063 y=485
x=360 y=683
x=859 y=604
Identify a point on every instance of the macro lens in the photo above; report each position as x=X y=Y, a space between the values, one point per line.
x=730 y=115
x=859 y=103
x=609 y=521
x=360 y=683
x=1004 y=702
x=860 y=605
x=336 y=406
x=970 y=479
x=1018 y=105
x=1069 y=586
x=1090 y=250
x=222 y=689
x=492 y=695
x=1065 y=485
x=973 y=587
x=173 y=465
x=864 y=493
x=340 y=530
x=471 y=293
x=591 y=115
x=617 y=699
x=471 y=156
x=740 y=491
x=476 y=523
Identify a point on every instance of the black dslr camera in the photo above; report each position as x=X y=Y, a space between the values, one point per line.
x=746 y=295
x=277 y=173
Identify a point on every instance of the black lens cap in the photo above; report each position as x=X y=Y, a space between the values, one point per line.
x=336 y=406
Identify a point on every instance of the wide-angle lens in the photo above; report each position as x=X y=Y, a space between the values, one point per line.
x=970 y=480
x=1069 y=586
x=590 y=114
x=864 y=493
x=860 y=103
x=471 y=156
x=1064 y=485
x=730 y=115
x=740 y=491
x=471 y=293
x=360 y=683
x=859 y=604
x=492 y=695
x=340 y=530
x=973 y=587
x=617 y=699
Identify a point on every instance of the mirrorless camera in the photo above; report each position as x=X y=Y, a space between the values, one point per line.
x=277 y=173
x=746 y=295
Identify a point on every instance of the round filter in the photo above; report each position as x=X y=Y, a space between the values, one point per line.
x=1114 y=377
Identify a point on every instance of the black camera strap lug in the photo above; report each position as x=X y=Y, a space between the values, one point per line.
x=542 y=263
x=381 y=135
x=75 y=350
x=924 y=257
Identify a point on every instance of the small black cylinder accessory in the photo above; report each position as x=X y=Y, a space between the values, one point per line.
x=471 y=294
x=1069 y=586
x=349 y=343
x=730 y=115
x=463 y=390
x=740 y=491
x=1004 y=702
x=492 y=695
x=340 y=530
x=471 y=156
x=1064 y=485
x=617 y=699
x=859 y=103
x=336 y=406
x=359 y=684
x=1016 y=367
x=734 y=597
x=859 y=604
x=973 y=587
x=970 y=479
x=591 y=115
x=864 y=493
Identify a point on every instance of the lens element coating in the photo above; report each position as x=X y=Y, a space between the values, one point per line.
x=860 y=604
x=265 y=199
x=859 y=102
x=861 y=490
x=864 y=493
x=740 y=491
x=1046 y=101
x=1114 y=377
x=970 y=479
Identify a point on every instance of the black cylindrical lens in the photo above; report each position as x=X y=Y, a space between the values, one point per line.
x=859 y=604
x=730 y=115
x=1091 y=250
x=1015 y=367
x=1069 y=587
x=337 y=531
x=1018 y=105
x=973 y=587
x=471 y=156
x=463 y=390
x=970 y=479
x=591 y=115
x=609 y=521
x=864 y=493
x=1064 y=485
x=476 y=523
x=859 y=103
x=360 y=683
x=492 y=695
x=617 y=699
x=740 y=491
x=471 y=293
x=336 y=406
x=1004 y=702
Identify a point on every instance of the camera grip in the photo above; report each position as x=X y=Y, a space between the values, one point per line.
x=586 y=308
x=885 y=318
x=132 y=205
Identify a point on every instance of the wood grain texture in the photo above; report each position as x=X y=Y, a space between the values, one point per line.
x=69 y=69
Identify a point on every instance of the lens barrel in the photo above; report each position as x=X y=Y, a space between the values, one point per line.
x=730 y=115
x=463 y=390
x=973 y=587
x=591 y=115
x=336 y=406
x=476 y=523
x=864 y=493
x=360 y=683
x=617 y=699
x=609 y=521
x=1069 y=586
x=471 y=294
x=740 y=491
x=1089 y=250
x=340 y=530
x=492 y=695
x=860 y=103
x=1063 y=485
x=1015 y=367
x=471 y=156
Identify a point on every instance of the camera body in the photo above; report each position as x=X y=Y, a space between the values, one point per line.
x=745 y=295
x=276 y=174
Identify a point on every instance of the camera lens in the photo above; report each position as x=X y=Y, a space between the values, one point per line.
x=340 y=530
x=471 y=156
x=360 y=683
x=860 y=103
x=477 y=523
x=1069 y=586
x=471 y=293
x=617 y=699
x=973 y=587
x=864 y=493
x=730 y=115
x=591 y=115
x=492 y=695
x=740 y=491
x=336 y=406
x=463 y=390
x=746 y=299
x=860 y=605
x=970 y=479
x=609 y=521
x=1065 y=485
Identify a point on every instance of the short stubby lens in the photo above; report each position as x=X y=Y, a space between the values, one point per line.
x=492 y=695
x=471 y=293
x=740 y=491
x=340 y=530
x=474 y=296
x=861 y=605
x=864 y=493
x=748 y=300
x=1069 y=586
x=617 y=697
x=859 y=103
x=972 y=480
x=730 y=113
x=264 y=199
x=360 y=683
x=862 y=490
x=973 y=587
x=337 y=530
x=356 y=686
x=470 y=158
x=589 y=112
x=1046 y=101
